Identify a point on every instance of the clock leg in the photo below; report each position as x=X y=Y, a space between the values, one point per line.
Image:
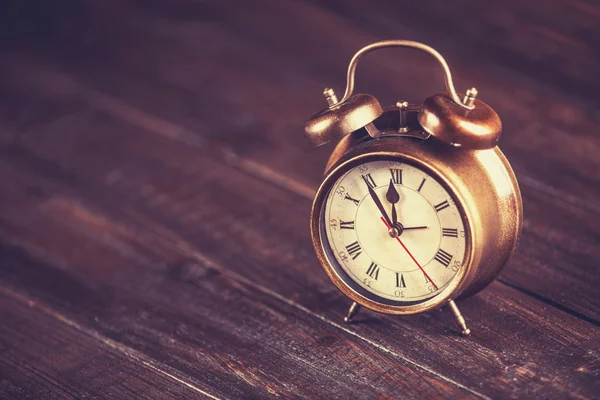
x=352 y=311
x=459 y=318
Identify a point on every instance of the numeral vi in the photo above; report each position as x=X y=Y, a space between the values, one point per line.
x=400 y=280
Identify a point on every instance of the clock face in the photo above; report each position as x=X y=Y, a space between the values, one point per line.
x=393 y=232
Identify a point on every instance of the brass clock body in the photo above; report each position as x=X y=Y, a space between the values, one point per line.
x=481 y=182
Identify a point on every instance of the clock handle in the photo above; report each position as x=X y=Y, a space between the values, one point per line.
x=469 y=123
x=467 y=103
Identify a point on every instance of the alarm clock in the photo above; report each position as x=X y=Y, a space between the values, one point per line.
x=418 y=206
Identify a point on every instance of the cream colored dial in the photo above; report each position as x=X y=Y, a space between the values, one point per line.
x=409 y=258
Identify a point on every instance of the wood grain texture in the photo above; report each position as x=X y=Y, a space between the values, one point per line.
x=223 y=334
x=230 y=55
x=551 y=42
x=142 y=197
x=160 y=189
x=252 y=349
x=46 y=356
x=251 y=126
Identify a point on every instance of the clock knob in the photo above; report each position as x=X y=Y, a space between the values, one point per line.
x=341 y=119
x=476 y=128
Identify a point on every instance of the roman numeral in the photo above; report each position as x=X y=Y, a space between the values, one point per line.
x=443 y=257
x=348 y=197
x=443 y=205
x=400 y=280
x=354 y=250
x=450 y=232
x=373 y=271
x=396 y=176
x=347 y=225
x=369 y=180
x=421 y=185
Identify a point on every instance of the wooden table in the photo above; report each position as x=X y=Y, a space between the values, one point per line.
x=156 y=188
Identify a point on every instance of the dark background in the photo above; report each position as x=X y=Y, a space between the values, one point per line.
x=156 y=187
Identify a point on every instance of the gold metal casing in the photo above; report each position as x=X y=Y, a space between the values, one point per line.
x=478 y=128
x=483 y=186
x=342 y=119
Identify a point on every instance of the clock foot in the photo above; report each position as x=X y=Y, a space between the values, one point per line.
x=352 y=311
x=459 y=318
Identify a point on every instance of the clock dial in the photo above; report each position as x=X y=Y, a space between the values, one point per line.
x=394 y=231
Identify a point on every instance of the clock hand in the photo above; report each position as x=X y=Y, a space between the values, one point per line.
x=411 y=256
x=414 y=227
x=378 y=203
x=393 y=197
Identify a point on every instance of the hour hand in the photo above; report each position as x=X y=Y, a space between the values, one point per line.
x=392 y=196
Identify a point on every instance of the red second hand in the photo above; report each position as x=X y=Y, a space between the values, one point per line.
x=411 y=256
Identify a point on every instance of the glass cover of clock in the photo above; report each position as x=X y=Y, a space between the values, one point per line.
x=394 y=231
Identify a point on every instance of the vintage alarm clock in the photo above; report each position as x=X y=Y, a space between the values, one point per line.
x=419 y=206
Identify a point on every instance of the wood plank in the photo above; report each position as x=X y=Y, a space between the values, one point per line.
x=46 y=356
x=141 y=191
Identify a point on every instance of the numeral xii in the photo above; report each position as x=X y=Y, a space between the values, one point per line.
x=396 y=176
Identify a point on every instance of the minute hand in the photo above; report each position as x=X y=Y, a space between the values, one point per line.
x=378 y=203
